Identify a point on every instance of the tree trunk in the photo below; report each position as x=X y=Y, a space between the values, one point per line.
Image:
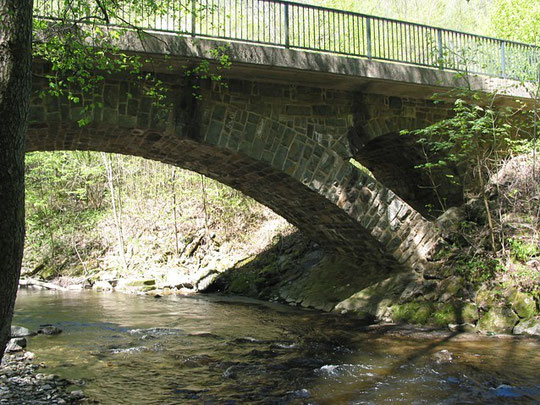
x=173 y=192
x=15 y=85
x=116 y=214
x=203 y=189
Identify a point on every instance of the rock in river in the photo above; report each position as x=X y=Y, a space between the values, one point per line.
x=49 y=330
x=19 y=331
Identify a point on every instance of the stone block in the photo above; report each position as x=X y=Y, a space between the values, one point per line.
x=298 y=110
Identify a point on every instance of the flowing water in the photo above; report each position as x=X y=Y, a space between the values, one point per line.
x=214 y=350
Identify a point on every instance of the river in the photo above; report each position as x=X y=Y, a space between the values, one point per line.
x=127 y=349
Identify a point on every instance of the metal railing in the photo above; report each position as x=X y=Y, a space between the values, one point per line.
x=314 y=28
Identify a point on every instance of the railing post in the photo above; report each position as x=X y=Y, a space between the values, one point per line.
x=286 y=25
x=441 y=54
x=368 y=33
x=503 y=58
x=193 y=18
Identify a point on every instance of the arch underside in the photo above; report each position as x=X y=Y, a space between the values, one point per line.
x=315 y=215
x=394 y=159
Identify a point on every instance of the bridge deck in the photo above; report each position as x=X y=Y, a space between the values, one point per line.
x=307 y=27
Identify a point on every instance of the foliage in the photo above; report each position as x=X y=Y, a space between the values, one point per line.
x=64 y=197
x=82 y=44
x=81 y=49
x=70 y=221
x=469 y=147
x=521 y=250
x=478 y=269
x=205 y=69
x=475 y=138
x=470 y=16
x=517 y=20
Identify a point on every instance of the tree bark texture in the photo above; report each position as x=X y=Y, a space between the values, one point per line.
x=15 y=87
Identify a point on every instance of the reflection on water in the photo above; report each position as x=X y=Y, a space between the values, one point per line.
x=212 y=350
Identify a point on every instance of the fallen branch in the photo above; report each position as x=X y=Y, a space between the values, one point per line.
x=29 y=282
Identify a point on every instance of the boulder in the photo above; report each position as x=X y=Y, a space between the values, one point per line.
x=20 y=341
x=144 y=282
x=443 y=356
x=485 y=298
x=376 y=299
x=449 y=288
x=137 y=284
x=413 y=312
x=528 y=327
x=475 y=211
x=469 y=313
x=498 y=320
x=454 y=313
x=102 y=286
x=177 y=278
x=206 y=280
x=77 y=395
x=19 y=331
x=463 y=327
x=451 y=220
x=523 y=304
x=49 y=330
x=13 y=347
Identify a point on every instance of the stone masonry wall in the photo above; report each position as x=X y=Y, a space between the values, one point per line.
x=286 y=146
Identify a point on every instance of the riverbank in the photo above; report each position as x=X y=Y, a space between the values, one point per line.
x=469 y=285
x=21 y=383
x=298 y=272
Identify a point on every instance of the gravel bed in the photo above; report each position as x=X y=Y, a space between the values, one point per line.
x=20 y=383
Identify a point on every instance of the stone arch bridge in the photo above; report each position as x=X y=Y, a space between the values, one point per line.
x=283 y=131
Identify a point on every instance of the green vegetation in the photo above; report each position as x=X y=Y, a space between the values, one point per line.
x=80 y=47
x=516 y=20
x=489 y=149
x=523 y=251
x=64 y=202
x=161 y=210
x=491 y=152
x=478 y=269
x=413 y=312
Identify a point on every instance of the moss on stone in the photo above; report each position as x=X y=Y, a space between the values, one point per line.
x=469 y=313
x=376 y=298
x=528 y=327
x=454 y=313
x=47 y=273
x=523 y=304
x=413 y=312
x=498 y=320
x=245 y=261
x=445 y=314
x=244 y=283
x=141 y=283
x=485 y=298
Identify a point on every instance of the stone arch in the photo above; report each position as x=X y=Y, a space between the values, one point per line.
x=377 y=144
x=287 y=148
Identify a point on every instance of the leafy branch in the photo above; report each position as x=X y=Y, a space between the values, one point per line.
x=475 y=139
